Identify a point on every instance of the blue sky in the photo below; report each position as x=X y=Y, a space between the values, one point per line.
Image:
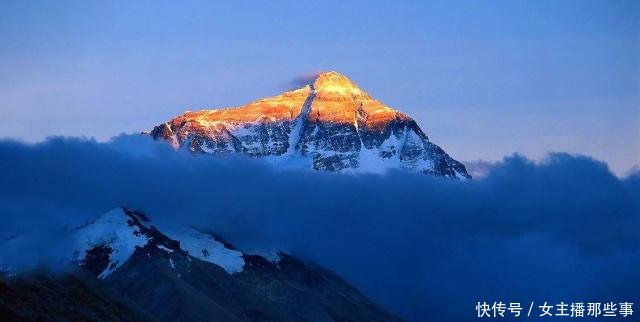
x=483 y=79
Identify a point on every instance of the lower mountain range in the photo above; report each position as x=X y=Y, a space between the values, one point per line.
x=130 y=270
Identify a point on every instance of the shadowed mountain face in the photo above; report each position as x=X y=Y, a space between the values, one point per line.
x=77 y=296
x=132 y=270
x=330 y=124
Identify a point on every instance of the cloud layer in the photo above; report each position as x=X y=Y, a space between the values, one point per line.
x=565 y=229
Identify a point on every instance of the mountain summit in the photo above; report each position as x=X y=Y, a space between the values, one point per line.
x=330 y=124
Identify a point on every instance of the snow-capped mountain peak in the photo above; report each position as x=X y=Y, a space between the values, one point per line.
x=335 y=82
x=106 y=243
x=151 y=271
x=330 y=124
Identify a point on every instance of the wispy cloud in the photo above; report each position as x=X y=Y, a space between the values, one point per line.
x=303 y=80
x=480 y=168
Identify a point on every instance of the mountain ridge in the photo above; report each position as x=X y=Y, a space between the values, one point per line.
x=126 y=267
x=329 y=124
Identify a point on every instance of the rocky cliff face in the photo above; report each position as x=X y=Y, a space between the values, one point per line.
x=330 y=124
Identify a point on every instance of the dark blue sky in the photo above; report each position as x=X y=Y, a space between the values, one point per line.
x=483 y=79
